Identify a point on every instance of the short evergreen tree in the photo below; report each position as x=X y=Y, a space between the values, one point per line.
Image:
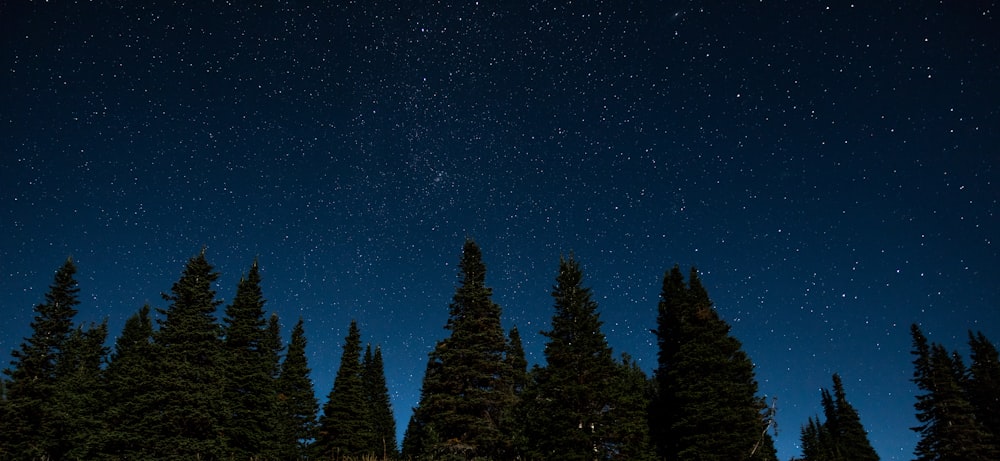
x=344 y=427
x=628 y=434
x=297 y=406
x=984 y=383
x=80 y=395
x=188 y=388
x=948 y=427
x=383 y=423
x=464 y=398
x=249 y=363
x=25 y=431
x=706 y=406
x=130 y=402
x=841 y=437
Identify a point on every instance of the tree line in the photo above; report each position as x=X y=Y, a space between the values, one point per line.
x=187 y=385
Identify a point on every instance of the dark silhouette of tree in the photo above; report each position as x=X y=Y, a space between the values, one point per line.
x=344 y=427
x=628 y=429
x=383 y=423
x=25 y=429
x=841 y=437
x=250 y=364
x=297 y=405
x=948 y=427
x=188 y=388
x=464 y=398
x=576 y=407
x=80 y=395
x=984 y=383
x=707 y=405
x=130 y=402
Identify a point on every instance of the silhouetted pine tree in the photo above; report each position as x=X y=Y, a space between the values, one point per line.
x=190 y=379
x=706 y=407
x=130 y=402
x=80 y=395
x=984 y=383
x=841 y=437
x=464 y=399
x=250 y=362
x=383 y=423
x=570 y=403
x=628 y=437
x=297 y=405
x=344 y=427
x=25 y=430
x=948 y=427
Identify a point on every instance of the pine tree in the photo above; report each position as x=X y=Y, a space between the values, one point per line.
x=130 y=401
x=513 y=422
x=572 y=394
x=79 y=396
x=628 y=437
x=464 y=400
x=841 y=437
x=948 y=428
x=249 y=371
x=344 y=426
x=706 y=407
x=189 y=385
x=984 y=383
x=383 y=423
x=297 y=406
x=25 y=431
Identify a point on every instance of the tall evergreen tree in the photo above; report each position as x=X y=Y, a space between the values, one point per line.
x=984 y=383
x=572 y=395
x=130 y=401
x=948 y=427
x=464 y=400
x=250 y=362
x=344 y=427
x=25 y=431
x=189 y=385
x=707 y=405
x=80 y=395
x=297 y=406
x=383 y=424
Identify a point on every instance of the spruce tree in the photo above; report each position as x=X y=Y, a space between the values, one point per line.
x=464 y=399
x=250 y=361
x=344 y=427
x=983 y=385
x=948 y=427
x=706 y=407
x=569 y=407
x=25 y=431
x=841 y=437
x=80 y=395
x=383 y=423
x=297 y=406
x=189 y=385
x=130 y=402
x=628 y=436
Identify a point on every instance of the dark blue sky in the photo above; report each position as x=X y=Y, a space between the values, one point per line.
x=830 y=168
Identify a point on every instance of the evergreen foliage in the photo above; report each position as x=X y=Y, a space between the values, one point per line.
x=128 y=375
x=841 y=437
x=251 y=359
x=383 y=423
x=80 y=395
x=26 y=428
x=984 y=383
x=297 y=405
x=188 y=386
x=576 y=406
x=344 y=427
x=706 y=406
x=464 y=400
x=949 y=429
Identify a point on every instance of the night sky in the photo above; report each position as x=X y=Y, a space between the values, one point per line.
x=832 y=169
